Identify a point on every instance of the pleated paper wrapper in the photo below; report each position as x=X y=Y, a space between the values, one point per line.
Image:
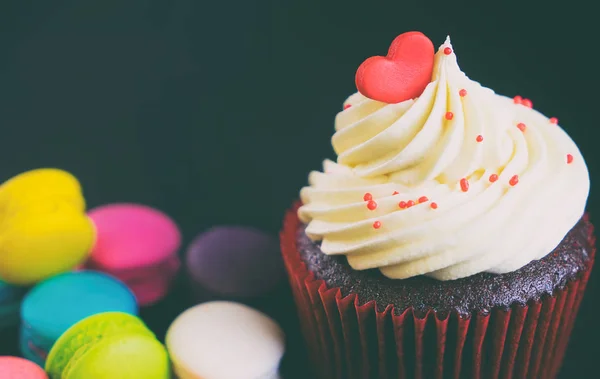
x=351 y=338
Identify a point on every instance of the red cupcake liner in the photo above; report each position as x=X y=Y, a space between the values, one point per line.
x=347 y=338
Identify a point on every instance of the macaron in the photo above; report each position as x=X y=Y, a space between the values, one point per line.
x=40 y=183
x=44 y=230
x=234 y=261
x=110 y=345
x=56 y=304
x=10 y=303
x=139 y=245
x=225 y=340
x=19 y=368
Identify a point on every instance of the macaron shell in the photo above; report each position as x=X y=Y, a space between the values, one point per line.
x=225 y=340
x=38 y=183
x=42 y=204
x=19 y=368
x=35 y=247
x=88 y=331
x=133 y=235
x=122 y=356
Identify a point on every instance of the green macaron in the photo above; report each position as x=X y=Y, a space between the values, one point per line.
x=110 y=345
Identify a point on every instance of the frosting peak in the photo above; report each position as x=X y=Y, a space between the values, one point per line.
x=498 y=173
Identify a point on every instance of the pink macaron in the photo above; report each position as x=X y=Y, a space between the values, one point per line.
x=137 y=244
x=20 y=368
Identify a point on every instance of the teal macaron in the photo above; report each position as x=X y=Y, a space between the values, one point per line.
x=56 y=304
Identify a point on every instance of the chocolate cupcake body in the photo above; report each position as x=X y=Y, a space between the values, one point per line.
x=360 y=324
x=478 y=293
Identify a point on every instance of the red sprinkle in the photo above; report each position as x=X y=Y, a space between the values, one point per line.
x=367 y=197
x=447 y=51
x=553 y=120
x=479 y=138
x=402 y=204
x=517 y=99
x=410 y=203
x=521 y=126
x=449 y=115
x=395 y=193
x=514 y=180
x=347 y=106
x=493 y=178
x=527 y=103
x=433 y=205
x=569 y=158
x=423 y=199
x=462 y=92
x=464 y=185
x=372 y=205
x=377 y=224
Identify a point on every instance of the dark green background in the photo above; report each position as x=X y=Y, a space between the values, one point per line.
x=216 y=111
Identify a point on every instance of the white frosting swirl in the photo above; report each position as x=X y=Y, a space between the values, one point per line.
x=414 y=149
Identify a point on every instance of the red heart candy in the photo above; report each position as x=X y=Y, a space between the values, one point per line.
x=401 y=75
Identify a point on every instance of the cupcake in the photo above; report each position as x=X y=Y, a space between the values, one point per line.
x=449 y=239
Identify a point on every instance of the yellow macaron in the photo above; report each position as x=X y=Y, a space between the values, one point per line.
x=41 y=183
x=44 y=230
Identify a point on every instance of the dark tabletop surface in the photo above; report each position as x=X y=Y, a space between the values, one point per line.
x=216 y=111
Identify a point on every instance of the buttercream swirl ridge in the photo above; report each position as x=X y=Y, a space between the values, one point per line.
x=457 y=134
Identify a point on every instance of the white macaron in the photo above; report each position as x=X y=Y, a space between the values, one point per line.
x=225 y=340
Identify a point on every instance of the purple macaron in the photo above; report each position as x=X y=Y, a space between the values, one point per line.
x=234 y=261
